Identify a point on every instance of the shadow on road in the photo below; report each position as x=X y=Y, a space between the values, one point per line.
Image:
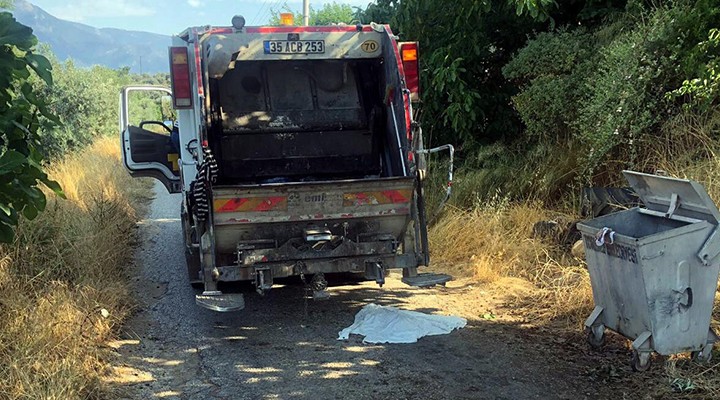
x=280 y=348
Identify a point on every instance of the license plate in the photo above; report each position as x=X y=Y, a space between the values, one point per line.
x=294 y=46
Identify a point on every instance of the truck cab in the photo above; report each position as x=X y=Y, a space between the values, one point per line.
x=296 y=153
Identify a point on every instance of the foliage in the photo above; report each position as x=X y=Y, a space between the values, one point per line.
x=604 y=88
x=329 y=13
x=550 y=72
x=380 y=11
x=85 y=102
x=463 y=48
x=704 y=90
x=539 y=9
x=332 y=13
x=48 y=115
x=516 y=83
x=20 y=120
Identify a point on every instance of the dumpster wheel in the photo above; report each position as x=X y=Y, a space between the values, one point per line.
x=640 y=361
x=593 y=340
x=703 y=356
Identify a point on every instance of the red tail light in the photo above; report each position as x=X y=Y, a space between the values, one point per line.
x=409 y=56
x=180 y=78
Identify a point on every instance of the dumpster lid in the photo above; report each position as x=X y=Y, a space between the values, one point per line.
x=661 y=193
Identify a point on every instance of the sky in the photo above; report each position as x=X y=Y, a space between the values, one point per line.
x=169 y=16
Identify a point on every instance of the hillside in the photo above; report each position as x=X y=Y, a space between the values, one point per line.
x=86 y=45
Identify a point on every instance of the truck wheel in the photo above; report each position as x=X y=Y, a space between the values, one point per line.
x=192 y=254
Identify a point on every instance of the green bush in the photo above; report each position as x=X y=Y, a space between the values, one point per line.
x=465 y=100
x=703 y=91
x=628 y=103
x=551 y=72
x=85 y=100
x=603 y=90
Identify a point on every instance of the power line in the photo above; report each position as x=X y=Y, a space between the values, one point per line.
x=257 y=14
x=277 y=6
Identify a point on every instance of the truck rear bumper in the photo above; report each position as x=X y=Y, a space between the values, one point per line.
x=357 y=264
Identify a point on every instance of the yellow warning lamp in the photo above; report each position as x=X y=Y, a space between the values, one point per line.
x=287 y=19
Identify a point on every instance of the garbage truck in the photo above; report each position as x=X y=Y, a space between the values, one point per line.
x=296 y=152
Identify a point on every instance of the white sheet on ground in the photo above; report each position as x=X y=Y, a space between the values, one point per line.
x=381 y=324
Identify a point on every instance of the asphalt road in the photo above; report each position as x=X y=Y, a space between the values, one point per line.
x=281 y=347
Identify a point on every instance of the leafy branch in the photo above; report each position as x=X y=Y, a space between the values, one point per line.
x=703 y=90
x=21 y=116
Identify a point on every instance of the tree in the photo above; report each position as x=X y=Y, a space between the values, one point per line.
x=84 y=101
x=20 y=119
x=332 y=13
x=380 y=11
x=463 y=48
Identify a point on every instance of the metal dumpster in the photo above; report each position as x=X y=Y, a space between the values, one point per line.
x=654 y=270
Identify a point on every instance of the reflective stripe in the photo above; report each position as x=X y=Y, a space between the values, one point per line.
x=250 y=204
x=377 y=197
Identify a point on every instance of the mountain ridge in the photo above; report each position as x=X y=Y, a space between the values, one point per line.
x=142 y=52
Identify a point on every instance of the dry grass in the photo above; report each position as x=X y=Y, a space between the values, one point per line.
x=62 y=282
x=689 y=380
x=495 y=240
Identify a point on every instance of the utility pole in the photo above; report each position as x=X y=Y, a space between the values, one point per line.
x=306 y=12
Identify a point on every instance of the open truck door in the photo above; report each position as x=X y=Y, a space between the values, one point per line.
x=148 y=146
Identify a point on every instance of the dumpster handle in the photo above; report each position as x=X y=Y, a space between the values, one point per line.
x=689 y=302
x=711 y=249
x=602 y=234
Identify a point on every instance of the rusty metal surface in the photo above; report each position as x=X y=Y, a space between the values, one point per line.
x=264 y=225
x=313 y=201
x=300 y=250
x=357 y=264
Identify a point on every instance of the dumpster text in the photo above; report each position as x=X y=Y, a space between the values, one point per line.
x=624 y=253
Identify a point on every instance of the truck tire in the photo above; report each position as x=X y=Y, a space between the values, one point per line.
x=192 y=254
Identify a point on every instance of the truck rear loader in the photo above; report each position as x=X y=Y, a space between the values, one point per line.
x=296 y=154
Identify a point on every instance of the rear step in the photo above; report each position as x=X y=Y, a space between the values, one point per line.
x=427 y=279
x=219 y=301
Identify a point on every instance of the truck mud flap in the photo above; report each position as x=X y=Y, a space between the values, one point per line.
x=427 y=280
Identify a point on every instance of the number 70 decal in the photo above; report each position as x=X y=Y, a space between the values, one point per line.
x=370 y=46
